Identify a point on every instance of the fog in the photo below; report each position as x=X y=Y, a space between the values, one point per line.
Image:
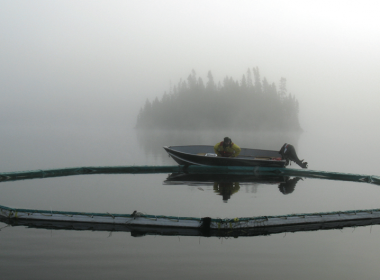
x=66 y=63
x=74 y=75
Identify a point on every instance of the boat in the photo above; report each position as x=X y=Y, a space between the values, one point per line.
x=205 y=156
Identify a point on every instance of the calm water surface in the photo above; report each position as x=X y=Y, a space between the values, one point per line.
x=30 y=253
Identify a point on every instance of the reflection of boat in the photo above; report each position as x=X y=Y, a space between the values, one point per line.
x=194 y=179
x=289 y=185
x=204 y=155
x=228 y=184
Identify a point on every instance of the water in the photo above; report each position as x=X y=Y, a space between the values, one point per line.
x=33 y=253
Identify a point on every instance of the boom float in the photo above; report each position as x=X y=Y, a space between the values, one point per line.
x=192 y=169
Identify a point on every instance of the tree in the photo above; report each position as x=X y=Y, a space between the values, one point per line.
x=249 y=79
x=282 y=88
x=210 y=86
x=258 y=86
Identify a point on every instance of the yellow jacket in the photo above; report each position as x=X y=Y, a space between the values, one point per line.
x=230 y=151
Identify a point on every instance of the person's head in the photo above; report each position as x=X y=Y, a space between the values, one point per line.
x=227 y=141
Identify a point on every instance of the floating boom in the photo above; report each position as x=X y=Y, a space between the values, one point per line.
x=205 y=224
x=192 y=169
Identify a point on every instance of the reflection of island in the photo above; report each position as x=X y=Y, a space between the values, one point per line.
x=228 y=184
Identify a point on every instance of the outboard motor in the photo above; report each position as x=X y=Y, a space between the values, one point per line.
x=289 y=153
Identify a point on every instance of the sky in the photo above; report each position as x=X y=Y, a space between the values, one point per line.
x=97 y=62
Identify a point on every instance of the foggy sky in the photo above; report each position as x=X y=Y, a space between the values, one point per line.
x=96 y=62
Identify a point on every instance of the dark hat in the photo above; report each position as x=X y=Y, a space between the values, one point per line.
x=227 y=139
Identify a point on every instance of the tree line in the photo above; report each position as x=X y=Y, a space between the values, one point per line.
x=250 y=103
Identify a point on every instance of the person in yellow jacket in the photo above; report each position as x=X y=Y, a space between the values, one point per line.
x=227 y=149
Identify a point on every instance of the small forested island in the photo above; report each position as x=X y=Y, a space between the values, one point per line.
x=249 y=104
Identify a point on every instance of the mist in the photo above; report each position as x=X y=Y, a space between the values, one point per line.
x=73 y=78
x=66 y=63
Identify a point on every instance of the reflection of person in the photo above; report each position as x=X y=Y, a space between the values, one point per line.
x=226 y=189
x=289 y=185
x=227 y=149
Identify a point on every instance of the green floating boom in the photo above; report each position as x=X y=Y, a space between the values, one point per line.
x=192 y=169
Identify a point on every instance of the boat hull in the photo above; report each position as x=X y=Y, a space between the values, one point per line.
x=197 y=155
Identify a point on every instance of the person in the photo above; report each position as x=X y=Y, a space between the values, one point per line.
x=226 y=148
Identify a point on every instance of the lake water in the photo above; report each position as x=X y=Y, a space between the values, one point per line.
x=39 y=253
